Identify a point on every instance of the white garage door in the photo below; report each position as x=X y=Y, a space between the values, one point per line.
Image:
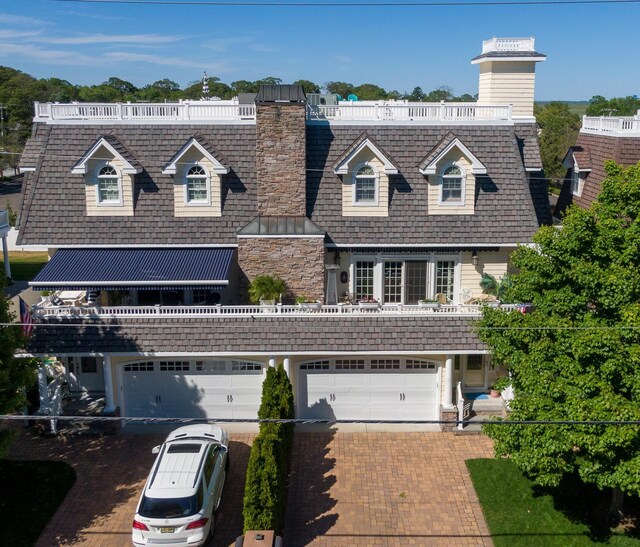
x=369 y=389
x=192 y=389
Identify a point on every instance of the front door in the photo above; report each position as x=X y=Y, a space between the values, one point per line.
x=474 y=372
x=85 y=374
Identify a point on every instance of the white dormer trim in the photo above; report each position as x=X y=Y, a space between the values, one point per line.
x=343 y=166
x=477 y=168
x=171 y=167
x=81 y=168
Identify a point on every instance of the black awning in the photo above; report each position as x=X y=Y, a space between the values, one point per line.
x=142 y=268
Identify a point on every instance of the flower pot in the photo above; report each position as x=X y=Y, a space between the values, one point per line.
x=369 y=305
x=428 y=304
x=309 y=305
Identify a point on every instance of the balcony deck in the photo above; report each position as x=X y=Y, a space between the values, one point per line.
x=231 y=111
x=386 y=310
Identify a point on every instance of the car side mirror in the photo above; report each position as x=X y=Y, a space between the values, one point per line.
x=155 y=449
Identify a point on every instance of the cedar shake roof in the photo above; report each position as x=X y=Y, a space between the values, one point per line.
x=32 y=151
x=449 y=139
x=527 y=135
x=258 y=334
x=54 y=209
x=593 y=150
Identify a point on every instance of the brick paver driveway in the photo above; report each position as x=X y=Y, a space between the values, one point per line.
x=351 y=489
x=384 y=489
x=111 y=472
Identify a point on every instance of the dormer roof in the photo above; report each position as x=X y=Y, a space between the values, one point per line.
x=220 y=165
x=341 y=165
x=579 y=158
x=428 y=165
x=116 y=149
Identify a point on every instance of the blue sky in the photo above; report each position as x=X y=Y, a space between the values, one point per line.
x=591 y=49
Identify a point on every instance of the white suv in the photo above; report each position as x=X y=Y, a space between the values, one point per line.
x=183 y=489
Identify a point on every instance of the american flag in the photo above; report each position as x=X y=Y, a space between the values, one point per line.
x=25 y=318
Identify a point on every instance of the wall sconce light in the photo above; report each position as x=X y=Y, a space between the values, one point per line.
x=474 y=257
x=344 y=277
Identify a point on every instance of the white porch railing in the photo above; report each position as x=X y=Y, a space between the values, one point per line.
x=621 y=125
x=247 y=311
x=464 y=407
x=154 y=112
x=405 y=111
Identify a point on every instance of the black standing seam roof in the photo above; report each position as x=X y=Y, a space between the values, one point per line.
x=134 y=268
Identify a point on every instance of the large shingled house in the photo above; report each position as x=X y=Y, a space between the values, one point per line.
x=160 y=216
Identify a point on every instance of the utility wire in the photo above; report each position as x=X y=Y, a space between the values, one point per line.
x=150 y=420
x=417 y=4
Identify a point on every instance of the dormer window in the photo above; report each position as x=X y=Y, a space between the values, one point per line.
x=366 y=185
x=575 y=182
x=109 y=186
x=452 y=185
x=197 y=185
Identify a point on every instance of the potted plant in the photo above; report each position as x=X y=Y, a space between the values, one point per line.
x=494 y=288
x=369 y=303
x=428 y=303
x=265 y=289
x=305 y=303
x=500 y=384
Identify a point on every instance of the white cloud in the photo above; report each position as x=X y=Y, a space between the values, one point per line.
x=4 y=34
x=110 y=39
x=46 y=56
x=342 y=59
x=236 y=42
x=9 y=19
x=161 y=60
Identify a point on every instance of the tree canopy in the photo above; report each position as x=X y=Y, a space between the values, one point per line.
x=16 y=375
x=559 y=129
x=577 y=356
x=617 y=106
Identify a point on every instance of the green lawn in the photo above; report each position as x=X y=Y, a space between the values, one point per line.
x=31 y=494
x=518 y=514
x=25 y=265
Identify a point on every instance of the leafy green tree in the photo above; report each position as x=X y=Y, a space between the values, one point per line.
x=442 y=93
x=559 y=129
x=617 y=106
x=123 y=87
x=16 y=375
x=341 y=88
x=370 y=92
x=269 y=80
x=416 y=95
x=244 y=86
x=308 y=86
x=577 y=356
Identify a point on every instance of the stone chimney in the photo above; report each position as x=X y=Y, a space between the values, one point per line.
x=508 y=73
x=281 y=150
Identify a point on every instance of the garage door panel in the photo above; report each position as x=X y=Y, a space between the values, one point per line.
x=215 y=393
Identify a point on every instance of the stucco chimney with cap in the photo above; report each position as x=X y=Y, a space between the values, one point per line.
x=508 y=73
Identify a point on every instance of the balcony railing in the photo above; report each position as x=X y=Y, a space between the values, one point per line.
x=621 y=125
x=382 y=111
x=232 y=111
x=348 y=310
x=509 y=44
x=185 y=111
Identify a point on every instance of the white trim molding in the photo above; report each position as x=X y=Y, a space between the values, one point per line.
x=81 y=168
x=477 y=168
x=171 y=167
x=343 y=166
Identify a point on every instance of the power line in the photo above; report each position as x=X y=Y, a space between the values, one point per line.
x=156 y=420
x=417 y=4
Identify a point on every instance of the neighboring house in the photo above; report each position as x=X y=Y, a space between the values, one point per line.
x=162 y=214
x=599 y=140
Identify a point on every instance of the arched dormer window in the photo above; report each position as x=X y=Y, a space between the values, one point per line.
x=197 y=185
x=452 y=185
x=109 y=186
x=366 y=185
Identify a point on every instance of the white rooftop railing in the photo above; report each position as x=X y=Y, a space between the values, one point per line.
x=232 y=111
x=508 y=44
x=260 y=311
x=185 y=111
x=621 y=125
x=382 y=111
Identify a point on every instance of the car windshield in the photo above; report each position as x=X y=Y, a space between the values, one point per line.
x=168 y=508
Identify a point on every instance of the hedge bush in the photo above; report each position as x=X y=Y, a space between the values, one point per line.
x=265 y=486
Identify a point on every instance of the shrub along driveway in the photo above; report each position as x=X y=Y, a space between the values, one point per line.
x=356 y=489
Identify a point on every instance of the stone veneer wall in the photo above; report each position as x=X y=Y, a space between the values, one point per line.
x=299 y=261
x=281 y=159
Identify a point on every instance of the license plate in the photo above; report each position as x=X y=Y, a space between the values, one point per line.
x=167 y=530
